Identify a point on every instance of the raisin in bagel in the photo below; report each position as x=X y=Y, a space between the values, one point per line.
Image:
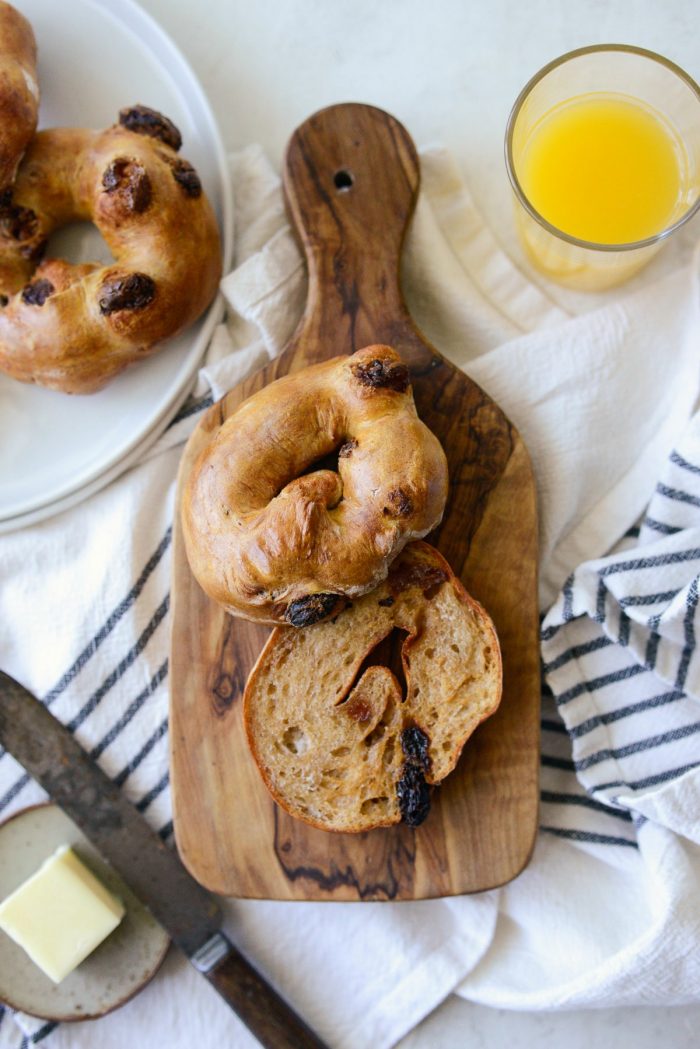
x=19 y=92
x=74 y=327
x=271 y=541
x=339 y=741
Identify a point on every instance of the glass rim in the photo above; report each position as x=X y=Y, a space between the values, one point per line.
x=510 y=163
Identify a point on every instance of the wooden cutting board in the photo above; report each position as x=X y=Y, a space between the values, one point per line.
x=351 y=179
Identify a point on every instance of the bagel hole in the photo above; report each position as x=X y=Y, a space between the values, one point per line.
x=329 y=461
x=324 y=462
x=79 y=242
x=343 y=180
x=386 y=653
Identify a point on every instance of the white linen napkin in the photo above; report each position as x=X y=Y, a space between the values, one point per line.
x=605 y=912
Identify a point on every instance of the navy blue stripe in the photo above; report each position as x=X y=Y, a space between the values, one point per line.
x=131 y=710
x=677 y=557
x=42 y=1033
x=651 y=651
x=120 y=670
x=153 y=793
x=576 y=652
x=553 y=726
x=557 y=763
x=689 y=631
x=600 y=600
x=598 y=682
x=650 y=781
x=623 y=634
x=39 y=1035
x=568 y=591
x=639 y=600
x=112 y=620
x=623 y=712
x=166 y=830
x=585 y=802
x=191 y=408
x=549 y=632
x=678 y=495
x=661 y=526
x=588 y=836
x=145 y=749
x=683 y=463
x=632 y=533
x=636 y=748
x=14 y=790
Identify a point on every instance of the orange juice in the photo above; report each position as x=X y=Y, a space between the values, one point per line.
x=604 y=168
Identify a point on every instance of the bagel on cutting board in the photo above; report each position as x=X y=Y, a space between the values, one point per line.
x=276 y=533
x=346 y=742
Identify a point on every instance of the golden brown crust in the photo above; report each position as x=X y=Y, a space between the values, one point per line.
x=272 y=542
x=348 y=730
x=73 y=328
x=19 y=91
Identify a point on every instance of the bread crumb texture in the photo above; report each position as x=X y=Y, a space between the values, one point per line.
x=352 y=720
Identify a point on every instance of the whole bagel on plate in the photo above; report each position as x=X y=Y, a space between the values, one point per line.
x=75 y=327
x=19 y=91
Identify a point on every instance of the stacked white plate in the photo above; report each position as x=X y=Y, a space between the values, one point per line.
x=95 y=57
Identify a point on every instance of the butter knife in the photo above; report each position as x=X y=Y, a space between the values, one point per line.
x=190 y=915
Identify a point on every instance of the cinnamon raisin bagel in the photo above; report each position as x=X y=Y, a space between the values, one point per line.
x=352 y=721
x=74 y=327
x=19 y=91
x=273 y=535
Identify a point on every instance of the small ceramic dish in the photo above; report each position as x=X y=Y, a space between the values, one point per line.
x=116 y=970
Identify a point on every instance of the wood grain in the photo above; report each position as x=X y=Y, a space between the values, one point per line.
x=351 y=180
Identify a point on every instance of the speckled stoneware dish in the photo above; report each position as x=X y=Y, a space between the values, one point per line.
x=115 y=971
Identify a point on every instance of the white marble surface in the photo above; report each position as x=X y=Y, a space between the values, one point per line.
x=449 y=70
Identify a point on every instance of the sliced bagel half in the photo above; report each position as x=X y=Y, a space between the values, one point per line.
x=352 y=720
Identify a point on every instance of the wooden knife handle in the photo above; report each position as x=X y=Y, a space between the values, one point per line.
x=262 y=1010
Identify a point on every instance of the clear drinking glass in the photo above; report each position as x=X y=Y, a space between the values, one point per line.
x=605 y=75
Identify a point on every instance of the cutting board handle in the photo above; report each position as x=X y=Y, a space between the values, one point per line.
x=351 y=179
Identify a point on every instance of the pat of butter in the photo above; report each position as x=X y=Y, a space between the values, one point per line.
x=60 y=914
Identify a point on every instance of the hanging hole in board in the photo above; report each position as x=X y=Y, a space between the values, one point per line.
x=343 y=180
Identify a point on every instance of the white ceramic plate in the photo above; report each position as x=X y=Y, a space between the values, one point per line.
x=96 y=56
x=115 y=971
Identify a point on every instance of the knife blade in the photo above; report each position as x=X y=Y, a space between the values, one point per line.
x=190 y=915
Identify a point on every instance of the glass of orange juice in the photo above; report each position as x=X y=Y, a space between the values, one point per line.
x=603 y=153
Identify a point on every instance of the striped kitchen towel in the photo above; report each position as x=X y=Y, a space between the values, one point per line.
x=604 y=912
x=616 y=920
x=620 y=652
